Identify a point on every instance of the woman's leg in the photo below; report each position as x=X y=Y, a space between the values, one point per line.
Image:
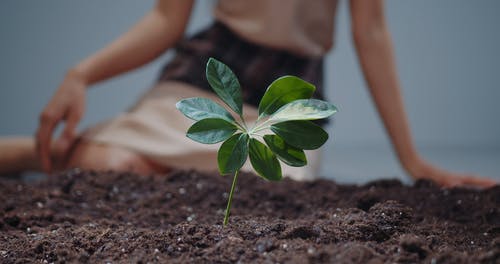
x=17 y=154
x=94 y=156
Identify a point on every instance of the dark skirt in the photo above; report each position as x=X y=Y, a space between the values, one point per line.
x=155 y=129
x=255 y=66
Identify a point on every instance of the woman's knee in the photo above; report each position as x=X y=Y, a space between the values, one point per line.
x=92 y=156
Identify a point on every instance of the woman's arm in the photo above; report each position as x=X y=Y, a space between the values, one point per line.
x=160 y=29
x=374 y=47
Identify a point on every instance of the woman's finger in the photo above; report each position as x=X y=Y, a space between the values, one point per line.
x=48 y=121
x=479 y=182
x=69 y=134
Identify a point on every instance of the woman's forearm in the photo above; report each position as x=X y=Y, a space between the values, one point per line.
x=160 y=29
x=374 y=48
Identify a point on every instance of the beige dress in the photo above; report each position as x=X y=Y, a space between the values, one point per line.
x=155 y=129
x=300 y=26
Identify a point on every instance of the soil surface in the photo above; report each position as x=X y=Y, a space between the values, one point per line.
x=107 y=217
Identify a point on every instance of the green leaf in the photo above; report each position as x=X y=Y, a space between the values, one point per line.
x=288 y=154
x=225 y=84
x=211 y=130
x=202 y=108
x=282 y=91
x=233 y=153
x=303 y=109
x=264 y=161
x=301 y=134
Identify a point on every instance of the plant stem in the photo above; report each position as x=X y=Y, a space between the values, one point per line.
x=244 y=123
x=228 y=208
x=256 y=134
x=260 y=127
x=240 y=127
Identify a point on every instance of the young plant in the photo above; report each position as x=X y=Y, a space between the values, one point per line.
x=285 y=109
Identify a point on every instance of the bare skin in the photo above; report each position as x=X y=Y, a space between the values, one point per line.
x=159 y=30
x=19 y=155
x=374 y=47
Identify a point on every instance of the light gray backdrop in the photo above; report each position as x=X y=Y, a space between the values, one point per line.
x=446 y=52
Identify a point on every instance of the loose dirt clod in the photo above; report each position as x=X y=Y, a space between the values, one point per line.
x=99 y=217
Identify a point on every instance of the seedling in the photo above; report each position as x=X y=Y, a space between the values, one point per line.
x=285 y=109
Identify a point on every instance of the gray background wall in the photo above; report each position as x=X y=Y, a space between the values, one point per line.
x=446 y=52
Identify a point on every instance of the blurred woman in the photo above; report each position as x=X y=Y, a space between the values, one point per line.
x=260 y=40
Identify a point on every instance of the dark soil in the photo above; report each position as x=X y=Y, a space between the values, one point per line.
x=176 y=218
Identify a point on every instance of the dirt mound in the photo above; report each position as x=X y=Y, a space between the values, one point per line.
x=81 y=216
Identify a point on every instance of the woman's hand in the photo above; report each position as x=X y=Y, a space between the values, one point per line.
x=157 y=31
x=421 y=169
x=68 y=105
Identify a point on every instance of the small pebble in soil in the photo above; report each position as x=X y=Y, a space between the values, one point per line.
x=235 y=239
x=311 y=251
x=182 y=191
x=168 y=195
x=199 y=186
x=39 y=205
x=157 y=251
x=261 y=248
x=191 y=217
x=264 y=245
x=170 y=249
